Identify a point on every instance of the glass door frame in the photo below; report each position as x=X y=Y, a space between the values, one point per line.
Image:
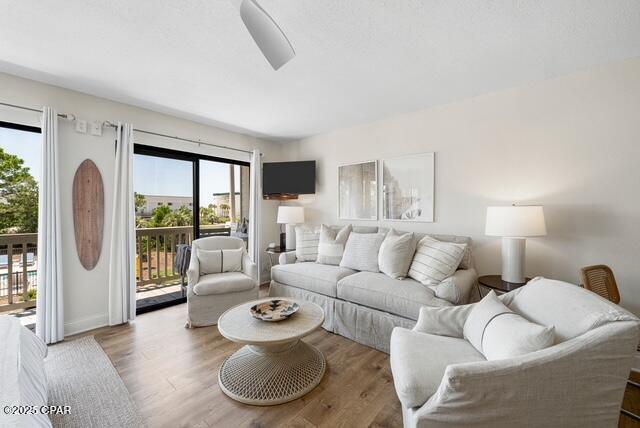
x=194 y=158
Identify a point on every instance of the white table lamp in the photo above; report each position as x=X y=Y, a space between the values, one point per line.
x=514 y=224
x=289 y=216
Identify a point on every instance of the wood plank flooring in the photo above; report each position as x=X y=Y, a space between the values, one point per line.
x=171 y=372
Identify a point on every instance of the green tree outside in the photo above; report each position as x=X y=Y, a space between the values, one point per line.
x=140 y=201
x=18 y=196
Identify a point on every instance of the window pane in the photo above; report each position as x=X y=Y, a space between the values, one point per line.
x=224 y=198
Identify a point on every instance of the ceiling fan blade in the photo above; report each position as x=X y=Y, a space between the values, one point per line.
x=265 y=32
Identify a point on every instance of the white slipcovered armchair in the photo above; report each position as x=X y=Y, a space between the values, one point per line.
x=442 y=381
x=208 y=296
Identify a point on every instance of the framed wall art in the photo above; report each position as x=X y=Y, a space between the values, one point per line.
x=358 y=191
x=408 y=187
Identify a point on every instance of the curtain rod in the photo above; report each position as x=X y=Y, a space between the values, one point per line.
x=67 y=116
x=175 y=137
x=70 y=116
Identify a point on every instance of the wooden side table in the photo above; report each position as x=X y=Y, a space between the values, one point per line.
x=495 y=283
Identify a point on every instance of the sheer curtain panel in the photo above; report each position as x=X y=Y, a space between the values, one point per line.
x=49 y=303
x=122 y=254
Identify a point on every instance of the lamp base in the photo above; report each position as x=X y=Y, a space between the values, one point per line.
x=291 y=236
x=513 y=260
x=283 y=241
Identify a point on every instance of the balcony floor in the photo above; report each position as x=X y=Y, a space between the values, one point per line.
x=146 y=296
x=152 y=295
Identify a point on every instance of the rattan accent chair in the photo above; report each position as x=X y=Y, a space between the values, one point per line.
x=600 y=280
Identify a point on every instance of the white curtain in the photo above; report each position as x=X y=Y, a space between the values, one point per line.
x=49 y=303
x=255 y=197
x=122 y=276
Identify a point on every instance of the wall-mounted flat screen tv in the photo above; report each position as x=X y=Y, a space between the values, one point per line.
x=289 y=178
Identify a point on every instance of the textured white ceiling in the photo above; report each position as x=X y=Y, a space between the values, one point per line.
x=357 y=60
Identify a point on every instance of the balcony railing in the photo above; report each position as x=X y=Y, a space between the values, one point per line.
x=155 y=256
x=18 y=266
x=156 y=250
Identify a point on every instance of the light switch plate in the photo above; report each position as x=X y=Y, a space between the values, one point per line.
x=81 y=126
x=96 y=128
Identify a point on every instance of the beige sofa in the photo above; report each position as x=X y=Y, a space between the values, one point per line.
x=443 y=381
x=365 y=306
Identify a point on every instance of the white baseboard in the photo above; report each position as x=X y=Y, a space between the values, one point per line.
x=85 y=324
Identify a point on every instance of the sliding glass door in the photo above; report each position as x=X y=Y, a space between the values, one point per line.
x=179 y=197
x=163 y=192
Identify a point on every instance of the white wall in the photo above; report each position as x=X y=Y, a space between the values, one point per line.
x=571 y=144
x=86 y=292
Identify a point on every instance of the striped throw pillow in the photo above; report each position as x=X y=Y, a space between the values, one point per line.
x=435 y=260
x=307 y=244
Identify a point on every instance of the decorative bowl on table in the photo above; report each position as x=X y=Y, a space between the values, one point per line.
x=274 y=310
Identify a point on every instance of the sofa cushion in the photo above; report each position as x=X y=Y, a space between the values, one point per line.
x=223 y=283
x=378 y=291
x=498 y=332
x=448 y=290
x=217 y=261
x=419 y=360
x=435 y=260
x=361 y=251
x=572 y=310
x=396 y=253
x=307 y=240
x=331 y=245
x=316 y=277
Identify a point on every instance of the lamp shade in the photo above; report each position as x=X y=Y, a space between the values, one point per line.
x=290 y=215
x=515 y=221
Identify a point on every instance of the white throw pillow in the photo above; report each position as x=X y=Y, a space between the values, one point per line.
x=396 y=254
x=361 y=251
x=307 y=241
x=498 y=332
x=435 y=260
x=331 y=245
x=448 y=290
x=218 y=261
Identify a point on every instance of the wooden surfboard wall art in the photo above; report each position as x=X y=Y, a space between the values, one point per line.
x=88 y=213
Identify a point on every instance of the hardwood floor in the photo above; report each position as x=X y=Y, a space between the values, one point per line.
x=171 y=372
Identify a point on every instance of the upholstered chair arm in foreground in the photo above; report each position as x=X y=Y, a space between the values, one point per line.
x=287 y=258
x=577 y=383
x=249 y=268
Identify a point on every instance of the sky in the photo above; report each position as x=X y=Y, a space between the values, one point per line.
x=171 y=177
x=152 y=175
x=25 y=145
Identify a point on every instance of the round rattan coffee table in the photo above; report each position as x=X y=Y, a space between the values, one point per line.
x=275 y=366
